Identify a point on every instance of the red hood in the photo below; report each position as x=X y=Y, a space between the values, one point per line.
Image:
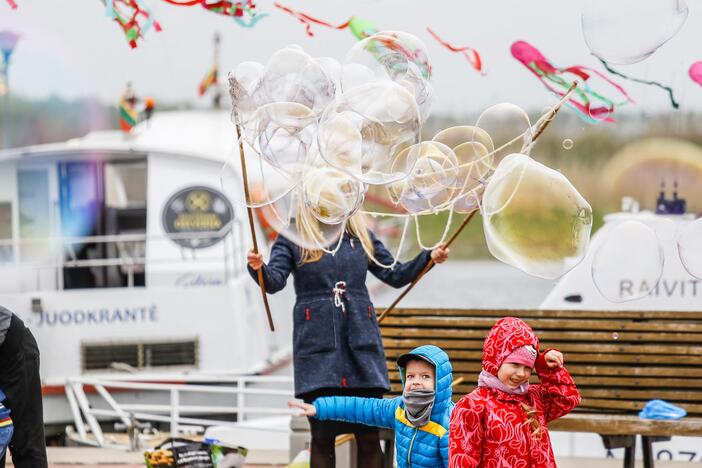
x=505 y=336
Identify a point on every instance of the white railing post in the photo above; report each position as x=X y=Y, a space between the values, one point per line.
x=89 y=417
x=77 y=418
x=113 y=404
x=175 y=413
x=240 y=409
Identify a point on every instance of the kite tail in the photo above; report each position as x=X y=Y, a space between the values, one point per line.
x=668 y=89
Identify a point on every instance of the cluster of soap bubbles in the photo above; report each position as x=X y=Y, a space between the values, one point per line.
x=319 y=136
x=628 y=31
x=629 y=262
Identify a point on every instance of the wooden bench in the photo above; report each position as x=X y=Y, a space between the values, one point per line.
x=619 y=360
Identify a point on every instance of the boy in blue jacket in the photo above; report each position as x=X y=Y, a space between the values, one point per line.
x=420 y=416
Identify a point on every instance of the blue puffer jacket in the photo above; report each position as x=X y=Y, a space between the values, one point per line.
x=426 y=446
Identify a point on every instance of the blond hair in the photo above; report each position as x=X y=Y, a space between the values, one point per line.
x=533 y=421
x=308 y=227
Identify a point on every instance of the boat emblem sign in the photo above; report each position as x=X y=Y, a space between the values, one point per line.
x=197 y=210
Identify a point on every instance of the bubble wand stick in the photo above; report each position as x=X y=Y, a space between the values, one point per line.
x=541 y=125
x=235 y=92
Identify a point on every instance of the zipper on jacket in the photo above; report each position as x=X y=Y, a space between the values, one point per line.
x=409 y=452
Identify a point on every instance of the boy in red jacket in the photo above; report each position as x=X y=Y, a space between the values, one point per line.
x=504 y=421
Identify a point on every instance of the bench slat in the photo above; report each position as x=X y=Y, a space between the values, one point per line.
x=457 y=355
x=544 y=324
x=433 y=333
x=628 y=348
x=521 y=313
x=626 y=425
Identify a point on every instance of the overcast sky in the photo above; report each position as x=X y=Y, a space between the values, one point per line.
x=70 y=48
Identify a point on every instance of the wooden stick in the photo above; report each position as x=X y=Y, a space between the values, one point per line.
x=428 y=266
x=555 y=110
x=249 y=211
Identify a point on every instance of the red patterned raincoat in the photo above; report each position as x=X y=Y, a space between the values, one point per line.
x=489 y=428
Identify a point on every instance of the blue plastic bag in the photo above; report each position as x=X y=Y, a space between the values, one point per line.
x=659 y=409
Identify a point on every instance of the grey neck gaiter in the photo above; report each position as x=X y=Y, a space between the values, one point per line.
x=418 y=406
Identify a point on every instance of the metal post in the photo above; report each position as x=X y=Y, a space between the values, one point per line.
x=175 y=414
x=240 y=401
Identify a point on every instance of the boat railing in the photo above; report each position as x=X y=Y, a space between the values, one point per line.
x=128 y=252
x=90 y=415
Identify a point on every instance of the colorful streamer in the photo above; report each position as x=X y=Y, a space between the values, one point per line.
x=12 y=4
x=209 y=80
x=469 y=53
x=134 y=18
x=243 y=13
x=308 y=20
x=361 y=28
x=591 y=104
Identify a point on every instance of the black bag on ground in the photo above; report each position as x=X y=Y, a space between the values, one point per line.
x=179 y=453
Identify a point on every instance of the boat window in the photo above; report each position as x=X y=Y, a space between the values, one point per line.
x=82 y=208
x=103 y=218
x=125 y=184
x=125 y=215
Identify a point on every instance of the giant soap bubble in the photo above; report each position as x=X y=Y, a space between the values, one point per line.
x=242 y=83
x=456 y=136
x=284 y=133
x=291 y=218
x=509 y=129
x=534 y=219
x=393 y=56
x=331 y=196
x=629 y=31
x=432 y=169
x=291 y=75
x=474 y=151
x=628 y=264
x=690 y=248
x=374 y=122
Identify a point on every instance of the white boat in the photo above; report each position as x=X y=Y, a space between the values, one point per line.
x=676 y=290
x=125 y=258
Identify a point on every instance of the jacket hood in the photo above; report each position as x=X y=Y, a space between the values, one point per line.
x=444 y=377
x=505 y=336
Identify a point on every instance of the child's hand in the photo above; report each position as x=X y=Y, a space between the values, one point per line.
x=255 y=260
x=554 y=359
x=440 y=254
x=307 y=409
